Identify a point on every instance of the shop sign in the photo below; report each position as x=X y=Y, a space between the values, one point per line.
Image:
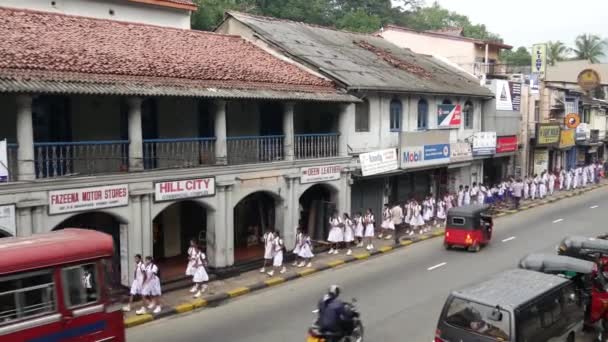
x=534 y=90
x=572 y=120
x=320 y=173
x=566 y=138
x=3 y=161
x=588 y=79
x=506 y=144
x=581 y=132
x=541 y=161
x=484 y=143
x=449 y=116
x=415 y=156
x=376 y=162
x=508 y=95
x=539 y=60
x=181 y=189
x=460 y=152
x=93 y=198
x=547 y=134
x=7 y=219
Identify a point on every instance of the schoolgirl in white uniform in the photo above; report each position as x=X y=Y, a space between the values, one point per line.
x=387 y=222
x=349 y=233
x=191 y=257
x=336 y=233
x=277 y=259
x=542 y=188
x=467 y=196
x=306 y=252
x=552 y=179
x=151 y=288
x=533 y=187
x=526 y=189
x=359 y=229
x=569 y=176
x=268 y=240
x=460 y=197
x=138 y=281
x=298 y=246
x=200 y=277
x=369 y=223
x=441 y=211
x=417 y=220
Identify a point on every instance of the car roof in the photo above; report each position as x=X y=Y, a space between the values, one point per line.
x=468 y=210
x=543 y=262
x=510 y=289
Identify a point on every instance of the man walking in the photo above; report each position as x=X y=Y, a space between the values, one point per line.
x=518 y=188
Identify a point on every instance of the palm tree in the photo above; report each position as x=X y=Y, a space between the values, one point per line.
x=589 y=47
x=556 y=52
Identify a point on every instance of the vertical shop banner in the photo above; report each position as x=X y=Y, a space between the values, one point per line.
x=541 y=161
x=503 y=95
x=567 y=138
x=449 y=116
x=3 y=161
x=515 y=88
x=539 y=60
x=534 y=84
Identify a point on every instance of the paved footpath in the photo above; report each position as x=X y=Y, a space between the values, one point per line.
x=220 y=291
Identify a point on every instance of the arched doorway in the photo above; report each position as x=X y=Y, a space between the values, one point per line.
x=102 y=222
x=172 y=230
x=316 y=206
x=4 y=234
x=253 y=215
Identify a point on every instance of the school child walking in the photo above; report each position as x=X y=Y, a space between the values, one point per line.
x=441 y=212
x=268 y=240
x=200 y=277
x=336 y=233
x=298 y=247
x=151 y=288
x=387 y=223
x=417 y=221
x=349 y=233
x=369 y=229
x=138 y=282
x=359 y=229
x=306 y=252
x=191 y=258
x=277 y=259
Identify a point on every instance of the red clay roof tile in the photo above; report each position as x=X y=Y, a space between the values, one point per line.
x=68 y=47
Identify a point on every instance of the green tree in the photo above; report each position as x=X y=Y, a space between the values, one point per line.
x=359 y=21
x=589 y=47
x=556 y=52
x=521 y=56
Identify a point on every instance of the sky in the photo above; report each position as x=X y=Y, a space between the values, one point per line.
x=526 y=22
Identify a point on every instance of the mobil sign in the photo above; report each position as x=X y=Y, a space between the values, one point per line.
x=425 y=148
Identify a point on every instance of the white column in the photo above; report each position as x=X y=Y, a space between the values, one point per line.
x=345 y=118
x=134 y=236
x=38 y=220
x=216 y=234
x=288 y=130
x=221 y=149
x=146 y=226
x=25 y=139
x=290 y=210
x=136 y=145
x=24 y=225
x=229 y=243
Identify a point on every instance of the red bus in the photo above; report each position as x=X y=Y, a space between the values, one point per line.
x=56 y=287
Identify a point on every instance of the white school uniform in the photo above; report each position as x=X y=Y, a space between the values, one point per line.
x=441 y=210
x=268 y=246
x=467 y=198
x=299 y=242
x=138 y=279
x=585 y=173
x=277 y=259
x=369 y=225
x=562 y=179
x=359 y=227
x=569 y=180
x=448 y=202
x=427 y=212
x=152 y=284
x=533 y=189
x=191 y=256
x=349 y=230
x=306 y=250
x=526 y=190
x=387 y=220
x=408 y=213
x=417 y=219
x=200 y=273
x=552 y=179
x=336 y=234
x=481 y=195
x=460 y=198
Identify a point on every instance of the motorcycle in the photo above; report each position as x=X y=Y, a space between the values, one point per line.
x=355 y=335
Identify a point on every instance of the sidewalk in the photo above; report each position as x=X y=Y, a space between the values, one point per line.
x=181 y=301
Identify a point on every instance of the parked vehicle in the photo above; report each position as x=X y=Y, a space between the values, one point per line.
x=316 y=335
x=516 y=305
x=586 y=248
x=469 y=227
x=55 y=287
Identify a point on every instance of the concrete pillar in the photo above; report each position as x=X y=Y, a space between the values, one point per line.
x=229 y=228
x=345 y=119
x=146 y=238
x=288 y=130
x=25 y=139
x=136 y=145
x=216 y=234
x=24 y=225
x=290 y=209
x=38 y=220
x=345 y=198
x=221 y=148
x=134 y=236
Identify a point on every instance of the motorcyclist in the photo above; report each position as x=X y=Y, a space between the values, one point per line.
x=335 y=317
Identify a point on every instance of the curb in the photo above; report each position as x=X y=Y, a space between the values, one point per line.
x=219 y=298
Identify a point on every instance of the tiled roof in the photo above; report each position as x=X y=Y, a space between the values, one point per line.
x=46 y=46
x=183 y=4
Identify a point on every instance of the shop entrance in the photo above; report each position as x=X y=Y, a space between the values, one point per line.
x=253 y=215
x=105 y=223
x=172 y=230
x=316 y=206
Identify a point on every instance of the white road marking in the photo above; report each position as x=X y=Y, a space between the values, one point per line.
x=509 y=239
x=558 y=220
x=593 y=207
x=436 y=266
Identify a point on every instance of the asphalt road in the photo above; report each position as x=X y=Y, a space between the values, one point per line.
x=400 y=294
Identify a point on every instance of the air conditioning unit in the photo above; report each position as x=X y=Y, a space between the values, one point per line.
x=517 y=77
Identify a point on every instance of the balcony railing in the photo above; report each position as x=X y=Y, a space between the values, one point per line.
x=310 y=146
x=56 y=159
x=178 y=153
x=255 y=149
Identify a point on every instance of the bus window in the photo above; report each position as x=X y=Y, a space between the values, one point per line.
x=26 y=296
x=80 y=285
x=476 y=318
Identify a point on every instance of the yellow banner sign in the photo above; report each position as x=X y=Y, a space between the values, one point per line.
x=567 y=138
x=547 y=134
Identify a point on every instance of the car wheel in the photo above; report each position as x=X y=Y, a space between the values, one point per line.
x=474 y=248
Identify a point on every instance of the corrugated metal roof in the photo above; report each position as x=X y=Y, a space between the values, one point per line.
x=74 y=87
x=567 y=71
x=336 y=54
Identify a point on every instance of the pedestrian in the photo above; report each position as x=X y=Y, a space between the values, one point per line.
x=449 y=201
x=200 y=277
x=533 y=187
x=359 y=229
x=151 y=290
x=191 y=257
x=569 y=176
x=526 y=188
x=467 y=195
x=460 y=196
x=349 y=233
x=517 y=192
x=473 y=193
x=542 y=185
x=562 y=179
x=306 y=252
x=417 y=220
x=387 y=223
x=552 y=179
x=441 y=211
x=298 y=246
x=268 y=240
x=369 y=222
x=427 y=213
x=481 y=194
x=336 y=233
x=408 y=217
x=397 y=216
x=277 y=259
x=138 y=282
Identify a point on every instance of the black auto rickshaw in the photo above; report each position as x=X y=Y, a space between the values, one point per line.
x=469 y=227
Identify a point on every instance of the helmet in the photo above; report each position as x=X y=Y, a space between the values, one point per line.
x=334 y=291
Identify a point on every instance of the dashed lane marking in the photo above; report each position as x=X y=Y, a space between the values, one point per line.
x=436 y=266
x=509 y=239
x=558 y=221
x=594 y=206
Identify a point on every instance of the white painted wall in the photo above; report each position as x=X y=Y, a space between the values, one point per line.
x=122 y=11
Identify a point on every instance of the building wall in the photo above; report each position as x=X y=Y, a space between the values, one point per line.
x=122 y=11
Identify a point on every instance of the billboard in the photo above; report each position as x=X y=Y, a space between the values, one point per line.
x=376 y=162
x=539 y=60
x=449 y=116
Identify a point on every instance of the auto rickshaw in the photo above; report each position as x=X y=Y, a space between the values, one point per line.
x=469 y=227
x=587 y=248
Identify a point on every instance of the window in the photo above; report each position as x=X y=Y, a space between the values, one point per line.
x=477 y=318
x=26 y=296
x=396 y=110
x=423 y=114
x=458 y=221
x=362 y=116
x=80 y=285
x=468 y=113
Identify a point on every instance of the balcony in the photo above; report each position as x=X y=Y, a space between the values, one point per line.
x=255 y=149
x=312 y=146
x=178 y=153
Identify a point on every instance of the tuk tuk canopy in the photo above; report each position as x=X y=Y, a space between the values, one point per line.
x=583 y=245
x=551 y=263
x=468 y=217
